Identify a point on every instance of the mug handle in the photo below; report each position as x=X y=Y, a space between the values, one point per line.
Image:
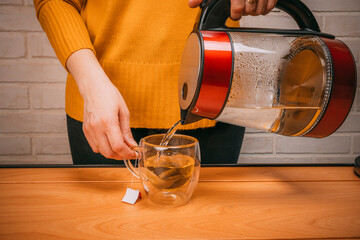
x=130 y=167
x=214 y=14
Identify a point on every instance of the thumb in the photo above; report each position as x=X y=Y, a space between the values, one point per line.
x=194 y=3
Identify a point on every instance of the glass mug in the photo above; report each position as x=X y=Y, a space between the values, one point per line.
x=169 y=174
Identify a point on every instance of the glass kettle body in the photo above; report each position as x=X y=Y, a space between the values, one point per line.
x=290 y=82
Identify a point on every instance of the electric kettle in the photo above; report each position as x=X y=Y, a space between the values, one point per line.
x=290 y=82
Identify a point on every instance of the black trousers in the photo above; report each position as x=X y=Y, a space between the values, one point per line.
x=219 y=144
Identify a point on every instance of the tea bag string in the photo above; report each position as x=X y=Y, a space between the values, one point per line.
x=132 y=178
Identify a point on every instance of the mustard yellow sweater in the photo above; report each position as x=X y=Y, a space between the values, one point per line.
x=137 y=42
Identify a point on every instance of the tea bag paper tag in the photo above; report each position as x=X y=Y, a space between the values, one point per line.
x=131 y=196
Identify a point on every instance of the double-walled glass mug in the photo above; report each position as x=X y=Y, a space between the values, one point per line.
x=169 y=174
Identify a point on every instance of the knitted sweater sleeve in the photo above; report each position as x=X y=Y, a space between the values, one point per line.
x=64 y=26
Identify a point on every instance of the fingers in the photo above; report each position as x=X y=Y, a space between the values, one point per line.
x=124 y=118
x=90 y=138
x=105 y=147
x=269 y=6
x=250 y=7
x=194 y=3
x=241 y=8
x=117 y=143
x=105 y=137
x=261 y=7
x=237 y=9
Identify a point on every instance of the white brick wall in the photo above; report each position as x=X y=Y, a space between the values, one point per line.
x=32 y=82
x=14 y=145
x=12 y=45
x=356 y=143
x=32 y=89
x=358 y=99
x=52 y=144
x=31 y=70
x=11 y=2
x=48 y=97
x=18 y=19
x=14 y=97
x=331 y=144
x=39 y=45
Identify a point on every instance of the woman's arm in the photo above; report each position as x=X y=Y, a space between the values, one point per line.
x=63 y=26
x=106 y=116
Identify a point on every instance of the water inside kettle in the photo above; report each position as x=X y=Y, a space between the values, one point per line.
x=278 y=84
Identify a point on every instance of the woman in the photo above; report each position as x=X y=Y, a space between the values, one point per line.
x=123 y=57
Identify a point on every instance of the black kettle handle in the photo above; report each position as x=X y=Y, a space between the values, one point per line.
x=215 y=13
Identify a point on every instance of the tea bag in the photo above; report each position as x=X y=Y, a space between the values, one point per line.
x=132 y=195
x=169 y=172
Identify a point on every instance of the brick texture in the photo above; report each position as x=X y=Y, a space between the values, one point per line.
x=333 y=159
x=18 y=159
x=274 y=159
x=54 y=159
x=356 y=144
x=333 y=5
x=39 y=71
x=29 y=2
x=14 y=145
x=18 y=19
x=257 y=144
x=14 y=97
x=32 y=84
x=343 y=24
x=52 y=145
x=40 y=46
x=48 y=97
x=270 y=21
x=351 y=124
x=12 y=45
x=11 y=2
x=277 y=20
x=332 y=144
x=29 y=122
x=358 y=100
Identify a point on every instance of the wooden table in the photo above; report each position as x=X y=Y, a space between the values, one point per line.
x=229 y=203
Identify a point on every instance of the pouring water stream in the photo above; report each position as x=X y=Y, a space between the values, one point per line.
x=169 y=134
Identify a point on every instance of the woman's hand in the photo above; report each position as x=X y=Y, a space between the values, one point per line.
x=241 y=8
x=106 y=117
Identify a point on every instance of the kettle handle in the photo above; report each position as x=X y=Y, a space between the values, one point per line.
x=215 y=13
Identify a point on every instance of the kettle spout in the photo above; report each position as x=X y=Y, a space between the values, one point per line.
x=187 y=117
